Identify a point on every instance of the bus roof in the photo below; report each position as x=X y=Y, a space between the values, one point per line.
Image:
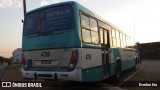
x=80 y=7
x=51 y=5
x=98 y=17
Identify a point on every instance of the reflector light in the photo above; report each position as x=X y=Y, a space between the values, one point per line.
x=74 y=54
x=73 y=60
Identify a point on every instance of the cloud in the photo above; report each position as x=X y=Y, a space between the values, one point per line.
x=84 y=0
x=56 y=1
x=17 y=4
x=44 y=2
x=6 y=3
x=10 y=3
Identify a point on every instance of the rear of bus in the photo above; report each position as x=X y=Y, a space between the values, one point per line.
x=50 y=43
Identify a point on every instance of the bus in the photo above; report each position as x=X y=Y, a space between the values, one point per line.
x=66 y=41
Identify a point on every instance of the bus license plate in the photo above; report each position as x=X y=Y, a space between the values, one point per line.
x=46 y=62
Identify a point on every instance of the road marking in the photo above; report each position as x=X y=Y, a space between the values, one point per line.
x=130 y=76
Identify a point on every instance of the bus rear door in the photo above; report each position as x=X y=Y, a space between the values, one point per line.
x=104 y=39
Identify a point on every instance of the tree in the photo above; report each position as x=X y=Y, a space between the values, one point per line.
x=2 y=59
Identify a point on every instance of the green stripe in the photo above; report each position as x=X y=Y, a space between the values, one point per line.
x=111 y=69
x=127 y=64
x=92 y=74
x=116 y=53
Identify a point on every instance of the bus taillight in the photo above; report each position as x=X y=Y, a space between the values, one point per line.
x=23 y=59
x=73 y=61
x=74 y=57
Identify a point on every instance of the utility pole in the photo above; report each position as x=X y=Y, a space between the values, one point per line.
x=24 y=7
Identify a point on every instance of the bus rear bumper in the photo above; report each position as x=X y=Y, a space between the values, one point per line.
x=75 y=75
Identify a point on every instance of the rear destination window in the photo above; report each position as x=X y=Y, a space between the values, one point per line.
x=49 y=19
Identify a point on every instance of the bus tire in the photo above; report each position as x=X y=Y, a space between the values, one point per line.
x=118 y=70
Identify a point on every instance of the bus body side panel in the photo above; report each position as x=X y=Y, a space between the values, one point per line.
x=60 y=59
x=111 y=62
x=77 y=31
x=75 y=75
x=111 y=69
x=128 y=57
x=91 y=64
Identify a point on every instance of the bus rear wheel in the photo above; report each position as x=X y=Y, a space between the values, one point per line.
x=118 y=71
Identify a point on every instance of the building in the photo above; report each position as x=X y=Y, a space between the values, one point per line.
x=17 y=55
x=150 y=50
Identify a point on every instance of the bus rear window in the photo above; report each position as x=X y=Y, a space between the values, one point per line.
x=49 y=19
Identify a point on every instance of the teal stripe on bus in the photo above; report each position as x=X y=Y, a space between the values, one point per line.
x=111 y=69
x=92 y=74
x=67 y=39
x=128 y=64
x=116 y=53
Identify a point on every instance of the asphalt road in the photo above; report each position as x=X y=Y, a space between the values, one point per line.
x=146 y=72
x=3 y=67
x=145 y=77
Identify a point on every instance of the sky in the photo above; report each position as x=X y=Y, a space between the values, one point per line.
x=139 y=18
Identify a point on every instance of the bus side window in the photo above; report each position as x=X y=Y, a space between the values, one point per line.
x=94 y=31
x=85 y=21
x=113 y=33
x=86 y=36
x=118 y=38
x=121 y=39
x=101 y=36
x=105 y=37
x=118 y=42
x=114 y=38
x=94 y=36
x=117 y=34
x=114 y=41
x=93 y=24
